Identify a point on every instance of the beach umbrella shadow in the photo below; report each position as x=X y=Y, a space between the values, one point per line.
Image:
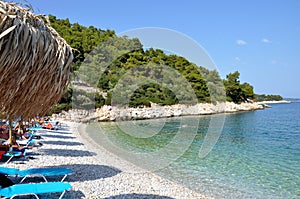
x=69 y=194
x=89 y=172
x=67 y=152
x=137 y=196
x=64 y=143
x=58 y=136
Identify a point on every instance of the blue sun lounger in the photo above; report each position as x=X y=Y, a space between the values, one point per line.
x=12 y=154
x=45 y=172
x=37 y=172
x=35 y=189
x=9 y=171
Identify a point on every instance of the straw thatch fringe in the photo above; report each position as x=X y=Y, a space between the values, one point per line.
x=35 y=63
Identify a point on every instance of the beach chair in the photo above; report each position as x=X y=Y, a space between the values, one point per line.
x=29 y=143
x=32 y=134
x=9 y=171
x=37 y=172
x=45 y=172
x=31 y=140
x=35 y=128
x=34 y=189
x=13 y=154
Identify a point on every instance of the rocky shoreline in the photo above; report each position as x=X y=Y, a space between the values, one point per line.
x=113 y=113
x=275 y=102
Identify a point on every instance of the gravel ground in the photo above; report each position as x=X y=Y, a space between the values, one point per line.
x=96 y=172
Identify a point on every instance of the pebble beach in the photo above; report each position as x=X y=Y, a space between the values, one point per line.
x=96 y=172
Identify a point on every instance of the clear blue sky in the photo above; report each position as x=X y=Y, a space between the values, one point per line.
x=259 y=38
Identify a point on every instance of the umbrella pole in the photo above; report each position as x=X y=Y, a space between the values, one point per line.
x=10 y=140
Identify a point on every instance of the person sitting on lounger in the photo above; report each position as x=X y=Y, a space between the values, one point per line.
x=48 y=125
x=3 y=133
x=16 y=147
x=20 y=131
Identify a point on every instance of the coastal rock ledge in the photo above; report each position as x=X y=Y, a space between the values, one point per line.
x=112 y=113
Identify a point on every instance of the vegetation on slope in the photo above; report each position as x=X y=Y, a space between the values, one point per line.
x=105 y=59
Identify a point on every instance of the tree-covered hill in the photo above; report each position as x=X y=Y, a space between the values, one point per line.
x=105 y=58
x=83 y=39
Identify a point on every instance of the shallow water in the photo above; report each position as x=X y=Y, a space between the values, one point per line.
x=256 y=156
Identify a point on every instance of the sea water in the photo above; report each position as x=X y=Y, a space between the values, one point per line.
x=257 y=154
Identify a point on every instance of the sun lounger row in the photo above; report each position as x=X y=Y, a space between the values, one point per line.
x=11 y=190
x=15 y=182
x=36 y=172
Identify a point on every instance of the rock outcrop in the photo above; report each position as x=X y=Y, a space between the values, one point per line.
x=112 y=113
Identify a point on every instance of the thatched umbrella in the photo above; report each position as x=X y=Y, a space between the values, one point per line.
x=35 y=63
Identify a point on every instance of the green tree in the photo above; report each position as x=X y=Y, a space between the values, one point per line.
x=233 y=88
x=247 y=90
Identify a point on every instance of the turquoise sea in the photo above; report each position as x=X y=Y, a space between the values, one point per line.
x=256 y=156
